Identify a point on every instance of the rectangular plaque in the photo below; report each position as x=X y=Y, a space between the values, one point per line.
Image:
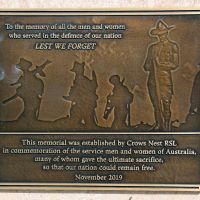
x=98 y=100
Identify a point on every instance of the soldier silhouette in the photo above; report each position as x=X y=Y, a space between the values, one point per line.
x=11 y=105
x=83 y=97
x=30 y=90
x=39 y=74
x=193 y=118
x=162 y=57
x=119 y=101
x=195 y=96
x=25 y=90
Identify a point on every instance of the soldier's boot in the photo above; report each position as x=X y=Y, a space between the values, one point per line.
x=167 y=125
x=157 y=126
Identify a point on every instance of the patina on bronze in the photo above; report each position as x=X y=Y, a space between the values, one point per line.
x=162 y=58
x=100 y=100
x=147 y=86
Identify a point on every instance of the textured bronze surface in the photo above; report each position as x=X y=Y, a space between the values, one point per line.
x=21 y=168
x=69 y=90
x=144 y=86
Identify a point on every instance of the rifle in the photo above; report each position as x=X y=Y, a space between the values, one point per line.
x=159 y=100
x=129 y=114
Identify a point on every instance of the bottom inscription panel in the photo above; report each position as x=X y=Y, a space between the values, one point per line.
x=130 y=161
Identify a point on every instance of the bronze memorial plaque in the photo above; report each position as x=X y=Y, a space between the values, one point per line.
x=100 y=100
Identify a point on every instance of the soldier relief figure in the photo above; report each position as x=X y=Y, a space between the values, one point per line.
x=83 y=97
x=119 y=101
x=193 y=117
x=195 y=96
x=162 y=58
